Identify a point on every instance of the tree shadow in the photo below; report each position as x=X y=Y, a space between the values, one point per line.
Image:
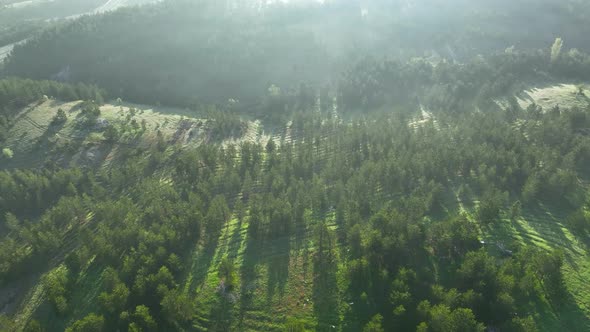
x=548 y=224
x=354 y=317
x=301 y=233
x=201 y=264
x=559 y=314
x=325 y=295
x=222 y=314
x=235 y=241
x=570 y=315
x=249 y=278
x=278 y=266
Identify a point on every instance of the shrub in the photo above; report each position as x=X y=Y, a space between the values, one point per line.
x=7 y=153
x=59 y=118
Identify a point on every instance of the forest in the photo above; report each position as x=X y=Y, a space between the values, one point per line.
x=189 y=52
x=274 y=177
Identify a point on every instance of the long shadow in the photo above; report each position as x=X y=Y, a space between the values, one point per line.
x=43 y=140
x=544 y=235
x=524 y=234
x=222 y=315
x=325 y=294
x=202 y=263
x=550 y=227
x=51 y=130
x=278 y=266
x=570 y=316
x=249 y=278
x=198 y=272
x=560 y=314
x=235 y=241
x=300 y=234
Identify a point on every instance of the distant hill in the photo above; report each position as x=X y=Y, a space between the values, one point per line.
x=185 y=52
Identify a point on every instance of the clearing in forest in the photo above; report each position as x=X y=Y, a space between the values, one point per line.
x=562 y=95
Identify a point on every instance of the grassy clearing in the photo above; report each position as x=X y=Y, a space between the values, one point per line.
x=275 y=281
x=80 y=303
x=562 y=95
x=34 y=140
x=543 y=228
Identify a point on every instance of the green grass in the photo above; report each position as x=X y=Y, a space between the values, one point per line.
x=274 y=281
x=562 y=95
x=80 y=303
x=33 y=140
x=543 y=228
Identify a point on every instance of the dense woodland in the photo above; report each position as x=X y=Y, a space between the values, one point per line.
x=369 y=193
x=190 y=52
x=383 y=207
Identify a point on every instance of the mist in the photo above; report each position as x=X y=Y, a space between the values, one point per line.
x=302 y=165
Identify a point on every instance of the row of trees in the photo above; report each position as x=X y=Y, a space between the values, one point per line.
x=376 y=178
x=372 y=193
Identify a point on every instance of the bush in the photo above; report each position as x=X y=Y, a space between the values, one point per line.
x=7 y=153
x=59 y=118
x=90 y=323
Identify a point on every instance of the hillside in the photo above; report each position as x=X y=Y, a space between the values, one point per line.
x=297 y=166
x=20 y=20
x=33 y=133
x=273 y=264
x=185 y=52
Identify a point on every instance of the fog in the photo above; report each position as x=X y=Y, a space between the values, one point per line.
x=294 y=165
